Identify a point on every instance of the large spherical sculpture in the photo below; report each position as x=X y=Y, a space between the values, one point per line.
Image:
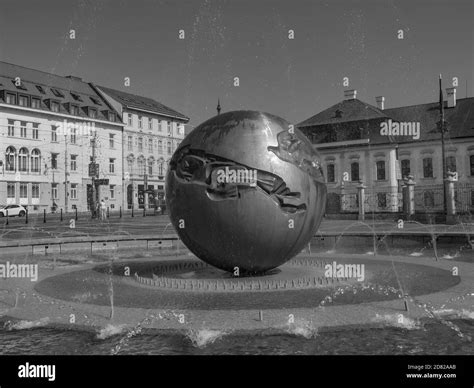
x=245 y=189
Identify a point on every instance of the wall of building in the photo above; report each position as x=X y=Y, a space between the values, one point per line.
x=48 y=177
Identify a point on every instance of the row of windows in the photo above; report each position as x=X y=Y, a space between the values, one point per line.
x=23 y=161
x=144 y=165
x=159 y=144
x=405 y=169
x=35 y=191
x=147 y=122
x=29 y=101
x=23 y=129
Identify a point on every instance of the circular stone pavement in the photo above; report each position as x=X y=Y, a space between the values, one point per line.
x=188 y=284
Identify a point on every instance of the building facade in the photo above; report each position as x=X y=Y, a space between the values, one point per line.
x=152 y=132
x=381 y=148
x=53 y=128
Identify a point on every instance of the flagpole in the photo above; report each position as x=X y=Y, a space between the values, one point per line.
x=442 y=129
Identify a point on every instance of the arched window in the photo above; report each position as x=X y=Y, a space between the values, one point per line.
x=23 y=160
x=160 y=168
x=151 y=162
x=35 y=160
x=10 y=156
x=141 y=165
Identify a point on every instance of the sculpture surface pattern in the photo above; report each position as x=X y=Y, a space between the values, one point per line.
x=244 y=189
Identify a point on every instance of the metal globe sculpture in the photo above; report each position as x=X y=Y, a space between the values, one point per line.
x=245 y=189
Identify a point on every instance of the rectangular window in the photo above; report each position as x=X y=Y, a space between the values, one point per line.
x=130 y=119
x=23 y=190
x=11 y=190
x=73 y=162
x=140 y=144
x=112 y=116
x=140 y=122
x=112 y=165
x=331 y=173
x=11 y=98
x=111 y=140
x=92 y=113
x=130 y=143
x=54 y=190
x=35 y=103
x=355 y=172
x=35 y=131
x=23 y=129
x=150 y=146
x=380 y=170
x=57 y=93
x=169 y=128
x=169 y=147
x=112 y=191
x=54 y=133
x=451 y=164
x=73 y=190
x=150 y=123
x=77 y=97
x=11 y=128
x=428 y=168
x=35 y=190
x=73 y=135
x=405 y=168
x=54 y=106
x=75 y=110
x=23 y=100
x=54 y=161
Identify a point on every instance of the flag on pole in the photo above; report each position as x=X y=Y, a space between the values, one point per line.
x=441 y=102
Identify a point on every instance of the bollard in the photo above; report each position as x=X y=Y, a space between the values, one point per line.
x=120 y=212
x=7 y=215
x=108 y=212
x=144 y=211
x=260 y=316
x=132 y=211
x=26 y=216
x=76 y=213
x=61 y=214
x=44 y=216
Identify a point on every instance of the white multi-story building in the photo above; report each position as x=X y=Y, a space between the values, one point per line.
x=356 y=146
x=47 y=123
x=152 y=133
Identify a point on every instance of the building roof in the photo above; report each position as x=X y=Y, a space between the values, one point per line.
x=460 y=119
x=344 y=111
x=132 y=101
x=46 y=86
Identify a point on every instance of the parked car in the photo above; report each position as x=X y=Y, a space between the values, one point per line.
x=13 y=210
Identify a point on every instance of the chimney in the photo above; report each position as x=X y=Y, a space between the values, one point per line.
x=73 y=77
x=380 y=102
x=350 y=94
x=451 y=92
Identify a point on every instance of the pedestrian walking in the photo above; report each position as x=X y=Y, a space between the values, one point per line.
x=103 y=210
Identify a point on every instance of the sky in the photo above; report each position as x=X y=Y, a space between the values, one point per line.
x=249 y=39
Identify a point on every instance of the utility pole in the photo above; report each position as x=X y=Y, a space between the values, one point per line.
x=65 y=173
x=94 y=172
x=443 y=128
